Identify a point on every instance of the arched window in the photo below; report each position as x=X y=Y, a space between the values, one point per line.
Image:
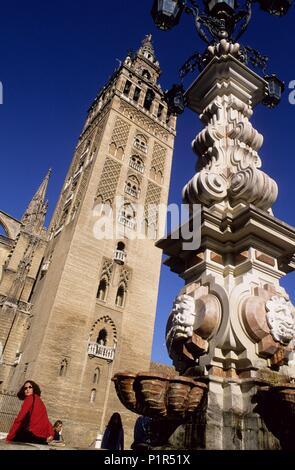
x=120 y=297
x=145 y=73
x=113 y=149
x=93 y=395
x=96 y=376
x=153 y=173
x=127 y=216
x=136 y=163
x=145 y=227
x=132 y=186
x=149 y=98
x=102 y=337
x=127 y=87
x=121 y=246
x=120 y=153
x=136 y=95
x=160 y=177
x=140 y=142
x=102 y=290
x=120 y=255
x=63 y=368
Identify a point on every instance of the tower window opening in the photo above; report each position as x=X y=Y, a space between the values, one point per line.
x=102 y=337
x=146 y=74
x=96 y=376
x=136 y=163
x=127 y=87
x=127 y=216
x=102 y=290
x=160 y=111
x=132 y=186
x=140 y=143
x=63 y=368
x=148 y=101
x=93 y=395
x=136 y=95
x=120 y=297
x=120 y=254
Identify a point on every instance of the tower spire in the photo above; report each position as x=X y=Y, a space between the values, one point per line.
x=147 y=50
x=34 y=216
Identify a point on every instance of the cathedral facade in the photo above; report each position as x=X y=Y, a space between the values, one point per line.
x=78 y=301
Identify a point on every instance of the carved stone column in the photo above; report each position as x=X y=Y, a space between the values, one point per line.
x=232 y=324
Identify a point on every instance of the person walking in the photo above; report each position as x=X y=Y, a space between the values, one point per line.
x=113 y=437
x=32 y=423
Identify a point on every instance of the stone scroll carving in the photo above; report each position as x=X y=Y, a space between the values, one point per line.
x=228 y=146
x=280 y=319
x=254 y=186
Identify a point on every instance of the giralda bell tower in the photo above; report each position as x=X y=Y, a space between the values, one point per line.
x=95 y=297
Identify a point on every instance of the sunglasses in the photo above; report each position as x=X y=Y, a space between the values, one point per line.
x=29 y=386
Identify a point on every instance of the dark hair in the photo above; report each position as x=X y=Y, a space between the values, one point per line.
x=115 y=421
x=57 y=423
x=36 y=389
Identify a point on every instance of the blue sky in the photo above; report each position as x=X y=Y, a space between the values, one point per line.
x=55 y=56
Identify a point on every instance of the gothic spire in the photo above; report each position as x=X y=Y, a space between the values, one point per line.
x=34 y=216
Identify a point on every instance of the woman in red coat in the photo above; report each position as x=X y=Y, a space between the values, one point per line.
x=32 y=423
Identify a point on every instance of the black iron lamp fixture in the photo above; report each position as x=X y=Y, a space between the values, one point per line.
x=175 y=99
x=216 y=6
x=275 y=7
x=166 y=13
x=274 y=91
x=219 y=19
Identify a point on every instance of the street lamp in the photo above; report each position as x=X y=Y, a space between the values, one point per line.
x=274 y=90
x=216 y=20
x=275 y=7
x=166 y=13
x=175 y=99
x=217 y=6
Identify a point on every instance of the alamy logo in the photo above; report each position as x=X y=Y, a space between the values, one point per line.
x=292 y=93
x=148 y=222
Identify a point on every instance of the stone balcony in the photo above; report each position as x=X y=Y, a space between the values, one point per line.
x=119 y=256
x=99 y=350
x=136 y=166
x=130 y=223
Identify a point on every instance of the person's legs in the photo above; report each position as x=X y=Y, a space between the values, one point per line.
x=23 y=435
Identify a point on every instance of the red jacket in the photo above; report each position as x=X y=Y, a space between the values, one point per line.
x=39 y=422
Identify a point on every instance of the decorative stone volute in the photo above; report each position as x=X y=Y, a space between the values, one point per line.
x=224 y=95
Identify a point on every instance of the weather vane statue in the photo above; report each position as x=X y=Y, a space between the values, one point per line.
x=231 y=329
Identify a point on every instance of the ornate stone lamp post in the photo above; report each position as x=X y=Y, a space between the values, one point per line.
x=232 y=326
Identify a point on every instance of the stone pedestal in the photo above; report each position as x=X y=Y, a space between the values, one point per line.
x=232 y=325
